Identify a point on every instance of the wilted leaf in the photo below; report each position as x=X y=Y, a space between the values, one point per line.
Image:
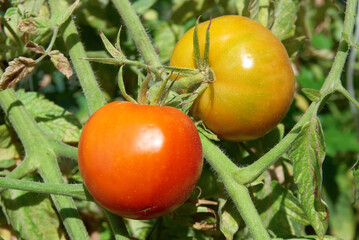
x=307 y=153
x=52 y=119
x=285 y=17
x=18 y=69
x=27 y=25
x=35 y=47
x=35 y=25
x=31 y=214
x=61 y=63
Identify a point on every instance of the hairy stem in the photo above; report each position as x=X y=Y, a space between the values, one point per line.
x=70 y=190
x=137 y=32
x=238 y=192
x=39 y=152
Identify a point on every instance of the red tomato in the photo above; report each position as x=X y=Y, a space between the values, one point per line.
x=140 y=161
x=254 y=80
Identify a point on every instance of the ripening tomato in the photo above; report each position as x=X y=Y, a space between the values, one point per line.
x=254 y=80
x=140 y=161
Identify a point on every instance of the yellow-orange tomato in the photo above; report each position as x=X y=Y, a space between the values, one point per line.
x=254 y=80
x=140 y=161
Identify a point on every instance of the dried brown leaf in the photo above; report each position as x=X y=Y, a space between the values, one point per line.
x=61 y=63
x=27 y=25
x=35 y=47
x=18 y=69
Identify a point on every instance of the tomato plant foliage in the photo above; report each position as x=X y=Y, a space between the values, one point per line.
x=265 y=145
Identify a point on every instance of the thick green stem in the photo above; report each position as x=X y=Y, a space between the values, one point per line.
x=137 y=32
x=65 y=206
x=65 y=151
x=93 y=94
x=70 y=190
x=39 y=152
x=26 y=128
x=238 y=192
x=92 y=91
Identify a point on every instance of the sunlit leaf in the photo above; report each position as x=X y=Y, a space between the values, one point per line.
x=8 y=149
x=60 y=15
x=285 y=17
x=53 y=119
x=31 y=214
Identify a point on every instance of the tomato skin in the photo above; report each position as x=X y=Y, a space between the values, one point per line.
x=140 y=161
x=254 y=84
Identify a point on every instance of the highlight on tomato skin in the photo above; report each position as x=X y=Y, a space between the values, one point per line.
x=140 y=161
x=254 y=84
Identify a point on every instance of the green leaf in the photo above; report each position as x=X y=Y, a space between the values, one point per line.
x=253 y=9
x=313 y=94
x=60 y=15
x=321 y=41
x=230 y=219
x=7 y=163
x=240 y=4
x=285 y=17
x=30 y=7
x=280 y=209
x=165 y=39
x=356 y=180
x=31 y=215
x=8 y=150
x=52 y=119
x=307 y=153
x=339 y=198
x=112 y=61
x=141 y=6
x=13 y=18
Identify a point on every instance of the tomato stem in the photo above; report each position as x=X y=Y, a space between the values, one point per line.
x=238 y=192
